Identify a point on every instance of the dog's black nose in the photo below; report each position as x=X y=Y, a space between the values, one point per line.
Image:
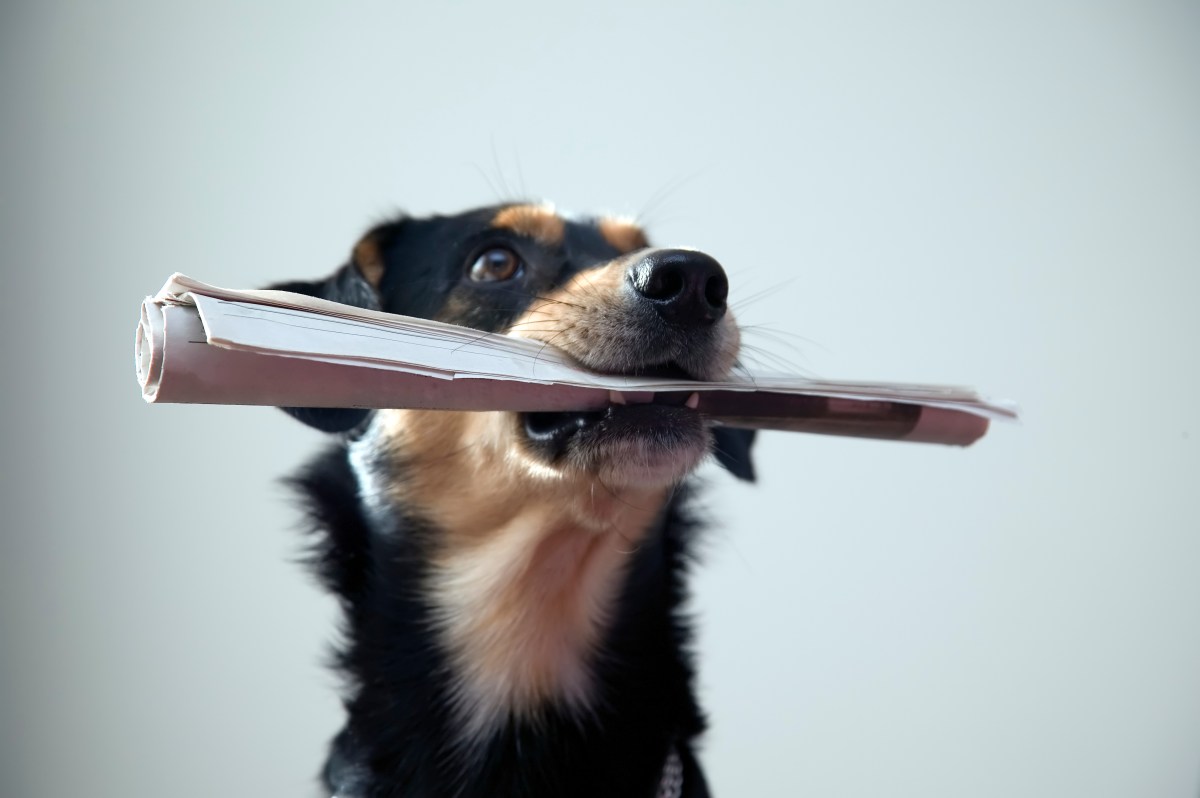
x=685 y=287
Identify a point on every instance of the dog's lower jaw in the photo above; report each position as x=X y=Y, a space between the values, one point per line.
x=641 y=445
x=633 y=465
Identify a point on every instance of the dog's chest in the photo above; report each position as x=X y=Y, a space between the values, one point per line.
x=521 y=592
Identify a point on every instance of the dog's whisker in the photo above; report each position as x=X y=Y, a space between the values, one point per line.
x=537 y=297
x=775 y=339
x=499 y=197
x=482 y=337
x=548 y=342
x=499 y=169
x=662 y=194
x=763 y=357
x=547 y=317
x=616 y=496
x=744 y=302
x=769 y=330
x=531 y=326
x=520 y=173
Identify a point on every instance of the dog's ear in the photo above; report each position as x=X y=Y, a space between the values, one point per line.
x=356 y=283
x=732 y=449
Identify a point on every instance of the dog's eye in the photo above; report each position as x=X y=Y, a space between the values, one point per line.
x=495 y=264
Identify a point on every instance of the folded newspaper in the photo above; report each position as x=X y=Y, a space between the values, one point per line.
x=198 y=343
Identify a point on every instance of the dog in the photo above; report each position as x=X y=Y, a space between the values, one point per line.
x=512 y=582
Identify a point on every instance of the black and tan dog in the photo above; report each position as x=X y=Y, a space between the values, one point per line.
x=512 y=582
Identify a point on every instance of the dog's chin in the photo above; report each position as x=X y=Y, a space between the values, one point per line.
x=624 y=445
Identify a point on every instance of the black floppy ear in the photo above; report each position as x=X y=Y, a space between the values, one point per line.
x=732 y=449
x=356 y=283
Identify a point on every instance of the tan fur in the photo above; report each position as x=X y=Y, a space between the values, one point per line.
x=528 y=558
x=580 y=317
x=622 y=234
x=457 y=310
x=587 y=319
x=539 y=222
x=369 y=260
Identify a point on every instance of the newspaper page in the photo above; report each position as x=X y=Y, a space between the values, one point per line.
x=198 y=343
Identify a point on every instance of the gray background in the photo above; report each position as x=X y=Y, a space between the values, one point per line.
x=1006 y=196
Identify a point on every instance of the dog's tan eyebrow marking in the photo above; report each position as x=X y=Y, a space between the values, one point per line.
x=368 y=259
x=623 y=234
x=539 y=222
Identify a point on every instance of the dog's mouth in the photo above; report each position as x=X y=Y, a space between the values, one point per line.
x=628 y=412
x=653 y=438
x=641 y=437
x=668 y=371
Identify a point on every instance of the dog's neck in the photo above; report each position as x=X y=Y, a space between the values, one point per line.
x=526 y=563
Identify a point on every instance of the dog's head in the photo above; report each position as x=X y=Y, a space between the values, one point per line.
x=593 y=287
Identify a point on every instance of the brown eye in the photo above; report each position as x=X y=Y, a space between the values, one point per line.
x=495 y=264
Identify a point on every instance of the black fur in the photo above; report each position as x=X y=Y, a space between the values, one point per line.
x=400 y=738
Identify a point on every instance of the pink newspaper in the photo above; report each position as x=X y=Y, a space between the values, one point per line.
x=197 y=343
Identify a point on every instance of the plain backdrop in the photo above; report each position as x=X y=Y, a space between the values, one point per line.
x=1004 y=195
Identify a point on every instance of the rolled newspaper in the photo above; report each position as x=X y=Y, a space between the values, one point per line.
x=198 y=343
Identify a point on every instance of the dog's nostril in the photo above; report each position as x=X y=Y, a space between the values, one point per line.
x=661 y=284
x=716 y=290
x=684 y=286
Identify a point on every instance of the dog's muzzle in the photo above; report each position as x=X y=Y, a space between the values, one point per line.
x=666 y=320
